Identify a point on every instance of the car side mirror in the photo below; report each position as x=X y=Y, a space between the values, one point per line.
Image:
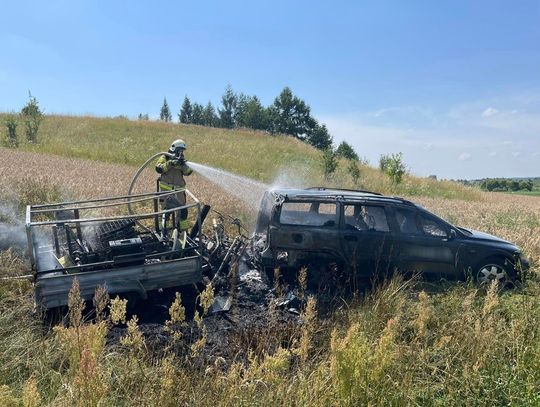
x=453 y=234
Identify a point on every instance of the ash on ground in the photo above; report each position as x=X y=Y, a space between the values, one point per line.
x=249 y=316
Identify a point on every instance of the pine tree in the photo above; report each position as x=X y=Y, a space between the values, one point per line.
x=226 y=114
x=345 y=150
x=165 y=113
x=320 y=137
x=250 y=113
x=240 y=111
x=209 y=115
x=291 y=115
x=185 y=112
x=197 y=115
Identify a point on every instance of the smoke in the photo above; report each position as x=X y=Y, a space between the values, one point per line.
x=12 y=231
x=13 y=236
x=289 y=178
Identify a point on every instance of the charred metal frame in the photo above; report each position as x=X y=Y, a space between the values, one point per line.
x=32 y=211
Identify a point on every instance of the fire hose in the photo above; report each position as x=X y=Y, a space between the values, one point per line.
x=138 y=173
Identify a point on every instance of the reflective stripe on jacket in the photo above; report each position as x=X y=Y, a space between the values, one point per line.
x=164 y=186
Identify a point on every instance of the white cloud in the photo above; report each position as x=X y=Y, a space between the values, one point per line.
x=490 y=111
x=432 y=145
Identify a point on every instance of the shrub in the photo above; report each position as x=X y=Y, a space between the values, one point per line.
x=354 y=171
x=383 y=162
x=330 y=162
x=11 y=125
x=32 y=117
x=393 y=166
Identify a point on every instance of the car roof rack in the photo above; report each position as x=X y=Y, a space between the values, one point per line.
x=344 y=189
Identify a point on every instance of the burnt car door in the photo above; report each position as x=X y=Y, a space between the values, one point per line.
x=303 y=231
x=366 y=238
x=425 y=244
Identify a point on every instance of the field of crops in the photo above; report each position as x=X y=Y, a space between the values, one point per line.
x=268 y=158
x=405 y=343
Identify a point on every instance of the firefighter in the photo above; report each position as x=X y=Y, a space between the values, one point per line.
x=172 y=172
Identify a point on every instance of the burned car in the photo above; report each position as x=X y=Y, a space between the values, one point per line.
x=370 y=235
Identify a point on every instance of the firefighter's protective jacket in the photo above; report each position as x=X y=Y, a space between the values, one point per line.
x=172 y=176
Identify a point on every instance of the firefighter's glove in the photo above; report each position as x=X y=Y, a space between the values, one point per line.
x=176 y=163
x=182 y=161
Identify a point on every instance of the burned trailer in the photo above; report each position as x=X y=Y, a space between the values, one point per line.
x=104 y=242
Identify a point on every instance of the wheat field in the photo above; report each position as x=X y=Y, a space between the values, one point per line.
x=404 y=343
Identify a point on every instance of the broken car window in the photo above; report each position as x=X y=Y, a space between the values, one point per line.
x=431 y=227
x=406 y=219
x=366 y=217
x=308 y=214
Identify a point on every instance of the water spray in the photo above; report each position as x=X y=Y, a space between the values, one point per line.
x=243 y=188
x=247 y=190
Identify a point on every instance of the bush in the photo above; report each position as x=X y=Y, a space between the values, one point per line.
x=393 y=166
x=11 y=123
x=32 y=117
x=354 y=171
x=383 y=162
x=330 y=162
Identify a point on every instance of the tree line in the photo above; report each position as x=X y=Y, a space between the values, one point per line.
x=288 y=114
x=504 y=184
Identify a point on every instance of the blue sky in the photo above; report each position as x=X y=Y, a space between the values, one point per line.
x=454 y=85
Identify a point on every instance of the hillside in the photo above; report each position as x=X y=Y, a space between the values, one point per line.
x=271 y=159
x=405 y=342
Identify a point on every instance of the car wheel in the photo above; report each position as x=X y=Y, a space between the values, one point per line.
x=494 y=270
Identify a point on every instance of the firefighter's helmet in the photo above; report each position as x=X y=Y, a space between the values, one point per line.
x=177 y=146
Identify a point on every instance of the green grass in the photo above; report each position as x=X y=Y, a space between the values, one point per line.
x=253 y=154
x=534 y=192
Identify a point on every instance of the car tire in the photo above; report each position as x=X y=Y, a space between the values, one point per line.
x=495 y=269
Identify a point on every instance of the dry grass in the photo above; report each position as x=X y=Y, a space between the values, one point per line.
x=512 y=217
x=402 y=345
x=75 y=178
x=271 y=159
